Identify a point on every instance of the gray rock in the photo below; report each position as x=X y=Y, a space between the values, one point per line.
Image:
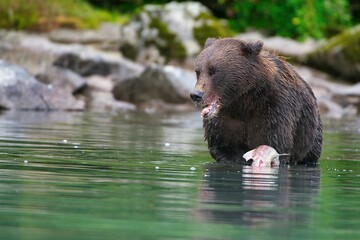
x=100 y=98
x=85 y=67
x=295 y=50
x=106 y=37
x=98 y=65
x=181 y=18
x=19 y=90
x=100 y=101
x=336 y=100
x=62 y=78
x=36 y=53
x=169 y=84
x=161 y=33
x=100 y=83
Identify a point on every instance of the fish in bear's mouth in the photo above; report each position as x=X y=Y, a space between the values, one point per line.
x=210 y=107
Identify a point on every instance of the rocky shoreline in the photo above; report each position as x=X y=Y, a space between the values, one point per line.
x=87 y=72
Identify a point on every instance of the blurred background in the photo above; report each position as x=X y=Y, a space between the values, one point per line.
x=122 y=54
x=296 y=19
x=99 y=138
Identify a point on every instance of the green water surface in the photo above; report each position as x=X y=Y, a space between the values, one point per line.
x=137 y=176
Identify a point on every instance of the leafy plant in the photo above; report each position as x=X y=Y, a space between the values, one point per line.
x=292 y=18
x=48 y=14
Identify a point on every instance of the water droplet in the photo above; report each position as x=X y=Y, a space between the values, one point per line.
x=167 y=144
x=64 y=141
x=192 y=168
x=26 y=161
x=157 y=167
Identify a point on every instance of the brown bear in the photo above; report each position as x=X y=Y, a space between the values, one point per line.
x=250 y=97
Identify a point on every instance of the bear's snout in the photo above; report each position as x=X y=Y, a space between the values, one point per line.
x=196 y=96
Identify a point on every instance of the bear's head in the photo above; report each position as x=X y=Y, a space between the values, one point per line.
x=226 y=69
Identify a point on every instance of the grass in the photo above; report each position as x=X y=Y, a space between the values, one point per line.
x=45 y=15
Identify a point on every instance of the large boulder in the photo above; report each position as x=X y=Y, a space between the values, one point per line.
x=160 y=33
x=62 y=78
x=168 y=84
x=293 y=50
x=36 y=54
x=340 y=55
x=100 y=97
x=85 y=66
x=19 y=90
x=106 y=37
x=336 y=100
x=67 y=67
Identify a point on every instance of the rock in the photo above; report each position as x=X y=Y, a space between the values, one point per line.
x=19 y=90
x=159 y=106
x=36 y=53
x=100 y=98
x=286 y=47
x=104 y=101
x=340 y=55
x=336 y=100
x=107 y=37
x=169 y=84
x=62 y=78
x=72 y=63
x=100 y=83
x=33 y=59
x=85 y=67
x=161 y=33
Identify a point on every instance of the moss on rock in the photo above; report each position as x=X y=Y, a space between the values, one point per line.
x=46 y=15
x=351 y=45
x=167 y=42
x=173 y=31
x=340 y=55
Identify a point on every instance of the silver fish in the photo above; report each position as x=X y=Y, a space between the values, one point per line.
x=264 y=156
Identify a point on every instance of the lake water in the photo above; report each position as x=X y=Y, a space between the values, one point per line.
x=135 y=176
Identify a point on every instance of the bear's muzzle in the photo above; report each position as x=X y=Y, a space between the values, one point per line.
x=196 y=96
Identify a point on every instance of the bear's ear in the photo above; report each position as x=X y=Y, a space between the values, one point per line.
x=251 y=48
x=209 y=41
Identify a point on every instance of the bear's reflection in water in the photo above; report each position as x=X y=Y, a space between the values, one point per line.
x=257 y=197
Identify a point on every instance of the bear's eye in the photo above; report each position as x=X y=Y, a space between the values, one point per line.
x=212 y=70
x=197 y=73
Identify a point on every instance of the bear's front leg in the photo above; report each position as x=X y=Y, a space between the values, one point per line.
x=227 y=155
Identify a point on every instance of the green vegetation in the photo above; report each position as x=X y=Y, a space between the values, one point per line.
x=339 y=55
x=43 y=15
x=350 y=41
x=296 y=18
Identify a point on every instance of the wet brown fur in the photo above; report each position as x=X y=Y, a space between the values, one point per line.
x=263 y=102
